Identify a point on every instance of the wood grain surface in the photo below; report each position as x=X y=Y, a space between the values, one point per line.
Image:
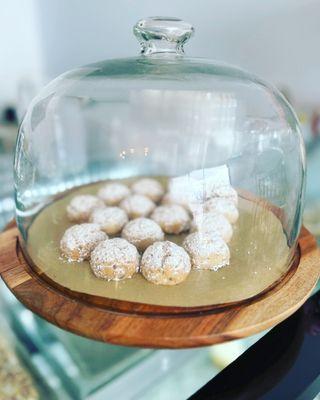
x=141 y=325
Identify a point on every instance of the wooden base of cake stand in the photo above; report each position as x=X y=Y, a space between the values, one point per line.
x=166 y=330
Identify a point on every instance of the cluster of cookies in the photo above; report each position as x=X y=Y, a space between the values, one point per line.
x=137 y=216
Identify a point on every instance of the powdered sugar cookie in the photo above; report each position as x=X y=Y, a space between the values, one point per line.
x=172 y=218
x=114 y=260
x=206 y=251
x=165 y=263
x=142 y=232
x=79 y=240
x=213 y=223
x=148 y=187
x=110 y=219
x=137 y=206
x=81 y=206
x=113 y=193
x=224 y=206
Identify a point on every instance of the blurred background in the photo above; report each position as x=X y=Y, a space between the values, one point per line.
x=40 y=39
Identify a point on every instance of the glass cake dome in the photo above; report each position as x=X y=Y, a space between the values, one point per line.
x=223 y=145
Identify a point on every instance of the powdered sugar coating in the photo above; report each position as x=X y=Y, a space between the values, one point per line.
x=224 y=206
x=172 y=218
x=148 y=187
x=137 y=206
x=207 y=251
x=110 y=219
x=225 y=191
x=81 y=206
x=174 y=198
x=79 y=240
x=142 y=232
x=114 y=260
x=165 y=263
x=213 y=223
x=113 y=193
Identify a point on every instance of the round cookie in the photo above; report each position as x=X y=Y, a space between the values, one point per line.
x=207 y=251
x=172 y=218
x=113 y=193
x=81 y=206
x=224 y=206
x=173 y=198
x=79 y=240
x=165 y=263
x=110 y=219
x=225 y=191
x=142 y=232
x=114 y=260
x=214 y=224
x=149 y=187
x=137 y=206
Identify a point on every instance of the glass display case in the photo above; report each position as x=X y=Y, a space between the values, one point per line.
x=158 y=203
x=201 y=156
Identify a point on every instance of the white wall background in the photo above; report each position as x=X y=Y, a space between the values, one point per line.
x=20 y=53
x=278 y=40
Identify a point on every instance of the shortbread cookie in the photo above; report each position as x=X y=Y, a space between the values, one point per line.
x=174 y=198
x=172 y=218
x=148 y=187
x=114 y=260
x=224 y=206
x=110 y=219
x=81 y=206
x=213 y=223
x=113 y=193
x=142 y=232
x=165 y=263
x=207 y=251
x=79 y=240
x=137 y=206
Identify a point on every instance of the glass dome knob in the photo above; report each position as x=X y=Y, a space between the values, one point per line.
x=162 y=34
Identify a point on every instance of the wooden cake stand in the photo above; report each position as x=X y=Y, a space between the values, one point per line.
x=136 y=324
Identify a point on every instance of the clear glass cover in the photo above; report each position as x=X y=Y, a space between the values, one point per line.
x=197 y=125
